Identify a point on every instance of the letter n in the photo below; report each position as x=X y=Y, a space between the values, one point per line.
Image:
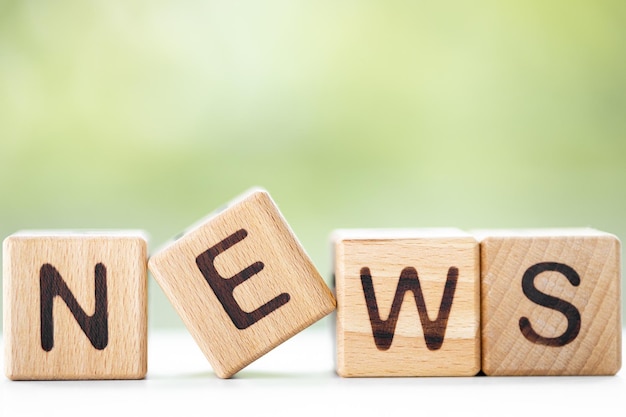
x=384 y=330
x=51 y=284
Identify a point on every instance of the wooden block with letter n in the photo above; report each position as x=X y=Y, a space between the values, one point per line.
x=75 y=305
x=407 y=302
x=551 y=302
x=241 y=282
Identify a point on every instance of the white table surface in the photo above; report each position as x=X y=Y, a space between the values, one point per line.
x=297 y=378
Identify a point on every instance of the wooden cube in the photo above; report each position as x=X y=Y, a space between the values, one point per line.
x=550 y=302
x=407 y=303
x=75 y=305
x=241 y=282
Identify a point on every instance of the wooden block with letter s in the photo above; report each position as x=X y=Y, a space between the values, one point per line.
x=241 y=282
x=75 y=305
x=550 y=302
x=408 y=302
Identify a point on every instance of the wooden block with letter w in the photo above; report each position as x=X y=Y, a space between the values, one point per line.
x=75 y=305
x=241 y=282
x=407 y=302
x=551 y=302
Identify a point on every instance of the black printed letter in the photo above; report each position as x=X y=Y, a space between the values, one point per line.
x=223 y=287
x=95 y=326
x=384 y=330
x=568 y=310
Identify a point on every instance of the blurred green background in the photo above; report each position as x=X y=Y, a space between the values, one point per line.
x=472 y=114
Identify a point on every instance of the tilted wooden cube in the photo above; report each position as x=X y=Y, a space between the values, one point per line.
x=241 y=282
x=407 y=303
x=550 y=302
x=75 y=305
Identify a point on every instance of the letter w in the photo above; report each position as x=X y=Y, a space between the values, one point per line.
x=95 y=326
x=384 y=330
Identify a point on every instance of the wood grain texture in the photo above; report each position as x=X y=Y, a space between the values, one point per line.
x=434 y=257
x=276 y=290
x=53 y=281
x=550 y=302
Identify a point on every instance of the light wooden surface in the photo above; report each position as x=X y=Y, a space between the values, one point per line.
x=593 y=349
x=70 y=353
x=282 y=275
x=433 y=253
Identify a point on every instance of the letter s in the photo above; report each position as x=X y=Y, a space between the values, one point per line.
x=569 y=311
